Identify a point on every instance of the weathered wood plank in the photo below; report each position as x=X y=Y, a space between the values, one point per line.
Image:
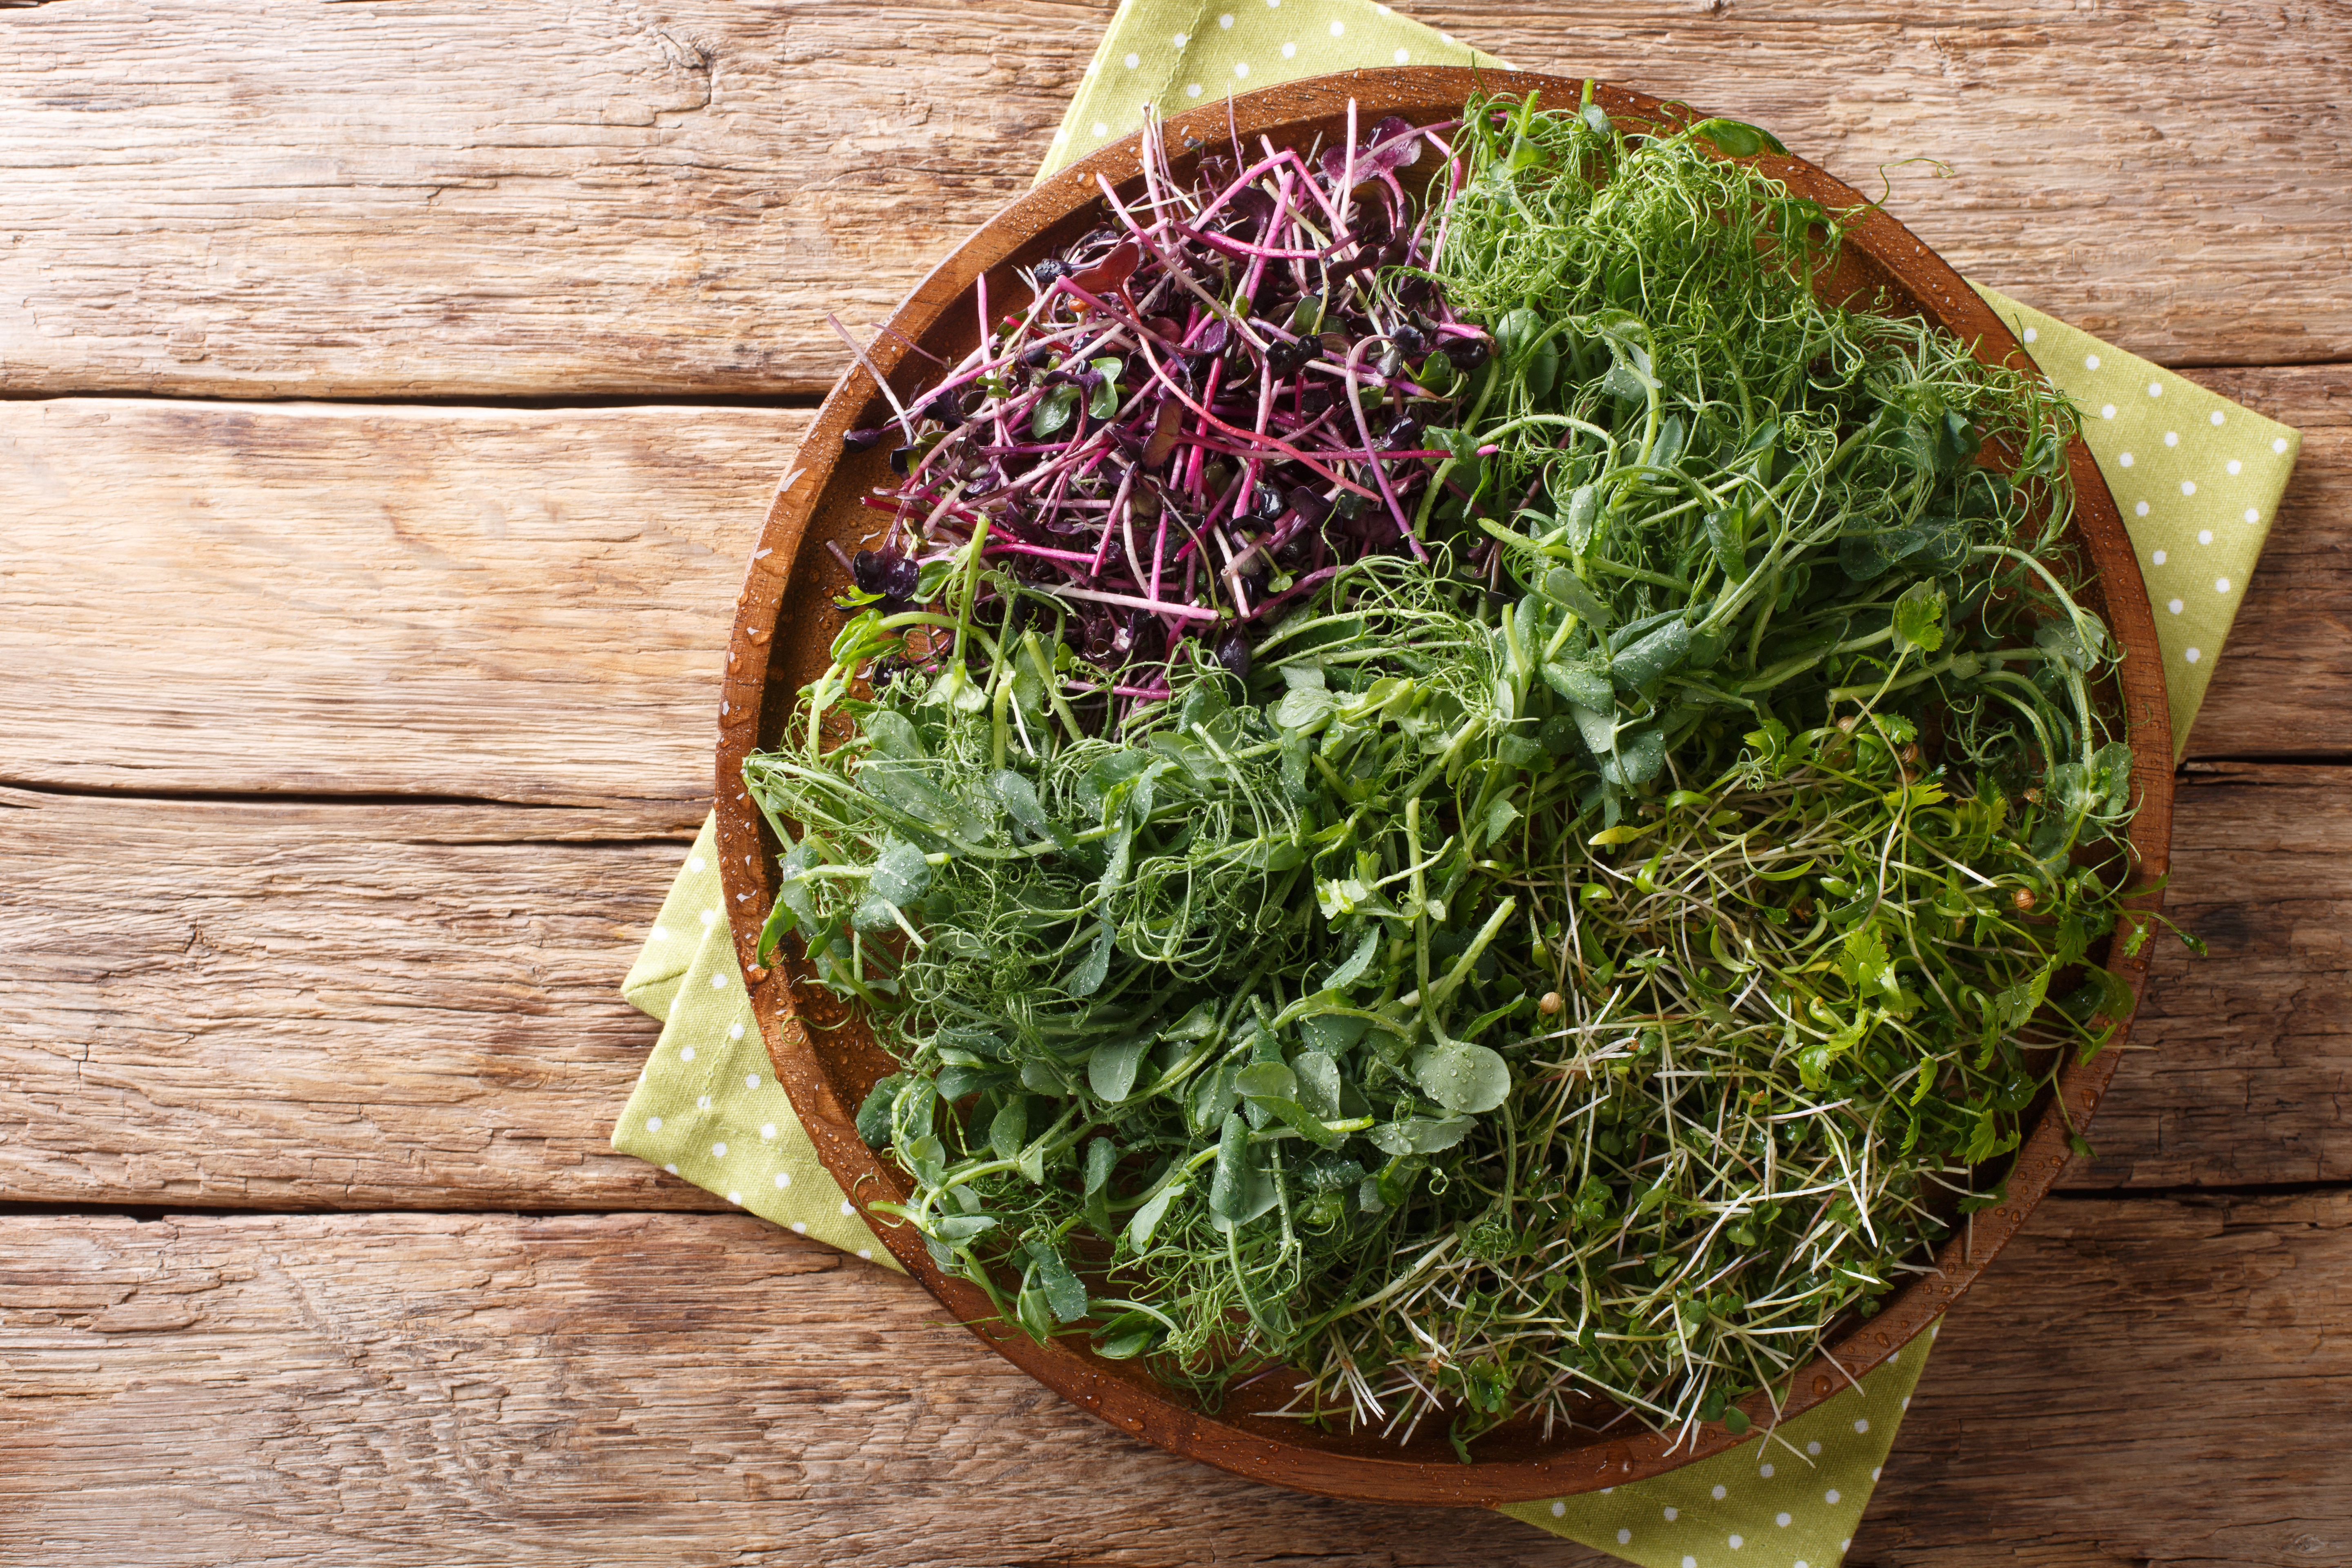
x=446 y=198
x=400 y=1389
x=2135 y=1384
x=440 y=198
x=531 y=605
x=342 y=1006
x=2240 y=1061
x=415 y=1007
x=338 y=599
x=2138 y=1383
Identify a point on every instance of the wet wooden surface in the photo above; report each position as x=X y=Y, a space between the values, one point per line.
x=349 y=743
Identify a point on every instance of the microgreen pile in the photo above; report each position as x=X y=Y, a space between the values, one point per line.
x=1497 y=809
x=1207 y=407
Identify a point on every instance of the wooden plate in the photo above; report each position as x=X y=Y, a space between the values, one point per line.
x=786 y=621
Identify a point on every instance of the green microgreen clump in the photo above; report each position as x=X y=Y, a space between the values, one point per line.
x=1560 y=977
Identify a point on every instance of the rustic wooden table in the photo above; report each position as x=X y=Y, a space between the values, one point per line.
x=392 y=390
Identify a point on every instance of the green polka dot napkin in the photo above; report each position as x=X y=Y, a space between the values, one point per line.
x=707 y=1106
x=2198 y=478
x=1173 y=54
x=1793 y=1498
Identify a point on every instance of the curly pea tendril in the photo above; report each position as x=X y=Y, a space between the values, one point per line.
x=1588 y=945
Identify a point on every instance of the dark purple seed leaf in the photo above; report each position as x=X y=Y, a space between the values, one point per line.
x=902 y=460
x=860 y=440
x=1112 y=270
x=1310 y=505
x=1233 y=652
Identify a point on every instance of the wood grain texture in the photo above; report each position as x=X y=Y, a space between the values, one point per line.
x=415 y=1389
x=264 y=198
x=350 y=599
x=532 y=606
x=307 y=1005
x=259 y=198
x=2138 y=1383
x=618 y=1389
x=2241 y=1062
x=325 y=1005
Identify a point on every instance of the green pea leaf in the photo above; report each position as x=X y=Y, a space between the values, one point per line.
x=1064 y=1295
x=1088 y=977
x=1146 y=1223
x=779 y=924
x=1543 y=369
x=874 y=1111
x=1110 y=1070
x=1640 y=754
x=1466 y=1078
x=1102 y=1155
x=1420 y=1135
x=1597 y=727
x=1583 y=683
x=1305 y=708
x=1726 y=535
x=1351 y=969
x=900 y=872
x=1738 y=138
x=1568 y=590
x=1578 y=515
x=1008 y=1129
x=1229 y=1185
x=1518 y=331
x=1267 y=1080
x=1649 y=658
x=1318 y=1084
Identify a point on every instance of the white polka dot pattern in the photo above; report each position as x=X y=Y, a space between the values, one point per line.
x=708 y=1106
x=1144 y=60
x=1740 y=1507
x=2186 y=465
